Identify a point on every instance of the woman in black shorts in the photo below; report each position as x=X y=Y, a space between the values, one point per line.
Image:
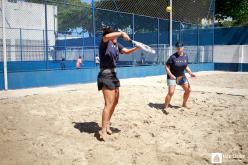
x=107 y=80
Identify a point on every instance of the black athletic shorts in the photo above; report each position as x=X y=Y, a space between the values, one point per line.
x=107 y=80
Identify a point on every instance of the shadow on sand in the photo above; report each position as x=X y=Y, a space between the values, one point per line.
x=92 y=128
x=160 y=106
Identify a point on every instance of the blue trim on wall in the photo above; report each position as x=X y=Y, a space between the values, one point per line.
x=234 y=67
x=30 y=79
x=16 y=66
x=50 y=78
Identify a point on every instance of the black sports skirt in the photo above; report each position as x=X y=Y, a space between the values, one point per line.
x=107 y=80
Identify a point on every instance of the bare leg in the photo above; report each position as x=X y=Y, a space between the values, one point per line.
x=187 y=90
x=109 y=97
x=117 y=93
x=171 y=90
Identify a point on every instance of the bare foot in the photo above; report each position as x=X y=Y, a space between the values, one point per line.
x=109 y=130
x=185 y=106
x=165 y=111
x=103 y=135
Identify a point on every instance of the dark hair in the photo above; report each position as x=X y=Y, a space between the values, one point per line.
x=107 y=30
x=79 y=57
x=179 y=44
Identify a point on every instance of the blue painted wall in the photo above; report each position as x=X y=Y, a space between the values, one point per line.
x=21 y=66
x=222 y=36
x=16 y=66
x=19 y=80
x=231 y=36
x=234 y=67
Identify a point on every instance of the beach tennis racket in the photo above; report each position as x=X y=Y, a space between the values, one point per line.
x=143 y=46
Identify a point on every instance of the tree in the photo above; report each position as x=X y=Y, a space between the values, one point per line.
x=71 y=17
x=236 y=9
x=72 y=14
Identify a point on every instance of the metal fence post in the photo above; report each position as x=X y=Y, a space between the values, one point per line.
x=46 y=33
x=213 y=31
x=133 y=34
x=44 y=45
x=83 y=47
x=180 y=32
x=21 y=43
x=198 y=38
x=55 y=47
x=158 y=40
x=94 y=30
x=171 y=27
x=65 y=46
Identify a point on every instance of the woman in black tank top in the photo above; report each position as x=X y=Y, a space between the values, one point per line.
x=107 y=80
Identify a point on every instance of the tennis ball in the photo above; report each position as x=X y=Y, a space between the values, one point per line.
x=168 y=9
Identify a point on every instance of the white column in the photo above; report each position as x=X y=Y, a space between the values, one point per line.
x=171 y=27
x=241 y=57
x=5 y=71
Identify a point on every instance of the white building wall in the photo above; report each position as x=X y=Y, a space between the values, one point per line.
x=231 y=53
x=29 y=15
x=30 y=18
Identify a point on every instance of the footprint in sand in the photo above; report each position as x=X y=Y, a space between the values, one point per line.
x=147 y=122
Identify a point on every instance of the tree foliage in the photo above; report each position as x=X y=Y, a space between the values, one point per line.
x=72 y=14
x=236 y=9
x=71 y=17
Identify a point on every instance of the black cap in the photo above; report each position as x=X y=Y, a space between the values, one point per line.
x=179 y=44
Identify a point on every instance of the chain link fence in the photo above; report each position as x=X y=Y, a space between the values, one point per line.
x=50 y=31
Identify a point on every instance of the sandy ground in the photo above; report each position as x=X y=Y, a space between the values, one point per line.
x=58 y=125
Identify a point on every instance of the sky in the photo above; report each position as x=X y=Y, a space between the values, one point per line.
x=88 y=1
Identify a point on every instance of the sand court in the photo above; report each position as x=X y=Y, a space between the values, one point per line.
x=58 y=125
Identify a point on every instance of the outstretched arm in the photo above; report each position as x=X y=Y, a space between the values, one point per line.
x=129 y=51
